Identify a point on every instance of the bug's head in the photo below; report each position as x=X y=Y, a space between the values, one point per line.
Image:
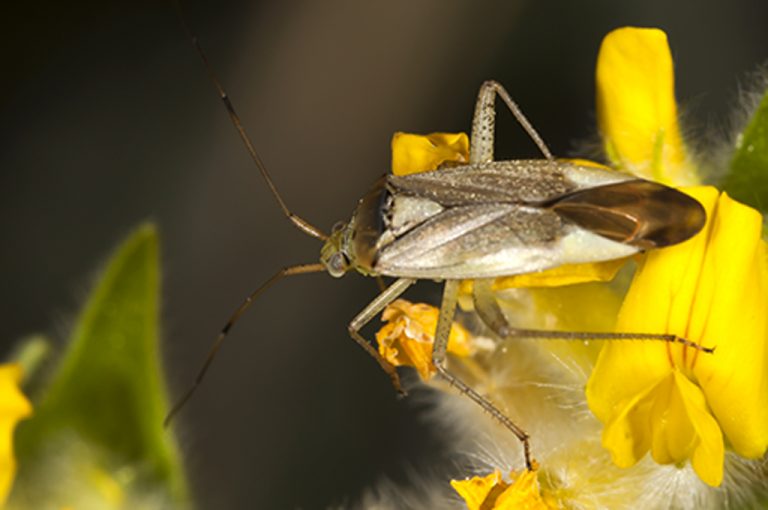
x=354 y=245
x=335 y=254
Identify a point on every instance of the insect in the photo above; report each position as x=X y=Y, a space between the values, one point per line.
x=482 y=220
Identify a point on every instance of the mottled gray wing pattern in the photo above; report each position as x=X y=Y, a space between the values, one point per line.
x=521 y=181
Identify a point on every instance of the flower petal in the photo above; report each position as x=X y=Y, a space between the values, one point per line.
x=409 y=334
x=567 y=274
x=14 y=406
x=476 y=490
x=708 y=448
x=491 y=492
x=626 y=435
x=636 y=109
x=730 y=313
x=672 y=420
x=421 y=153
x=523 y=494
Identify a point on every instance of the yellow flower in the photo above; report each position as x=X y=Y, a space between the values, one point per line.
x=408 y=336
x=667 y=398
x=636 y=109
x=671 y=399
x=14 y=406
x=491 y=492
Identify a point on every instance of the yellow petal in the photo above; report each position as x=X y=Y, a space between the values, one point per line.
x=627 y=426
x=708 y=448
x=421 y=153
x=567 y=274
x=409 y=334
x=583 y=307
x=672 y=434
x=672 y=420
x=523 y=494
x=636 y=109
x=586 y=162
x=476 y=490
x=14 y=406
x=491 y=492
x=731 y=313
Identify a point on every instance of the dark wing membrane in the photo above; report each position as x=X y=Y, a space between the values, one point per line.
x=637 y=212
x=461 y=236
x=521 y=182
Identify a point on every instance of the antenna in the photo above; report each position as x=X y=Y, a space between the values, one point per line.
x=287 y=271
x=297 y=220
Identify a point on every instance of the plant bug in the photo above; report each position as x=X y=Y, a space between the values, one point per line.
x=481 y=220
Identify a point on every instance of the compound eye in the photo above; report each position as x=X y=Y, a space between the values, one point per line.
x=338 y=226
x=337 y=265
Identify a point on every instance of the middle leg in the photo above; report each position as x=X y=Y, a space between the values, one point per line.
x=442 y=333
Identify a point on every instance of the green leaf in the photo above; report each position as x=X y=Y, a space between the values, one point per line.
x=107 y=395
x=747 y=180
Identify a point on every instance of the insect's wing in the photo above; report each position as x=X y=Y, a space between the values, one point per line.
x=637 y=212
x=474 y=241
x=511 y=217
x=487 y=220
x=524 y=181
x=520 y=181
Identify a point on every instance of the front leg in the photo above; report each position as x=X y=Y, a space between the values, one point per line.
x=369 y=312
x=439 y=349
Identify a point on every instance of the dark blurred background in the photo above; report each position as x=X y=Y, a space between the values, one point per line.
x=108 y=119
